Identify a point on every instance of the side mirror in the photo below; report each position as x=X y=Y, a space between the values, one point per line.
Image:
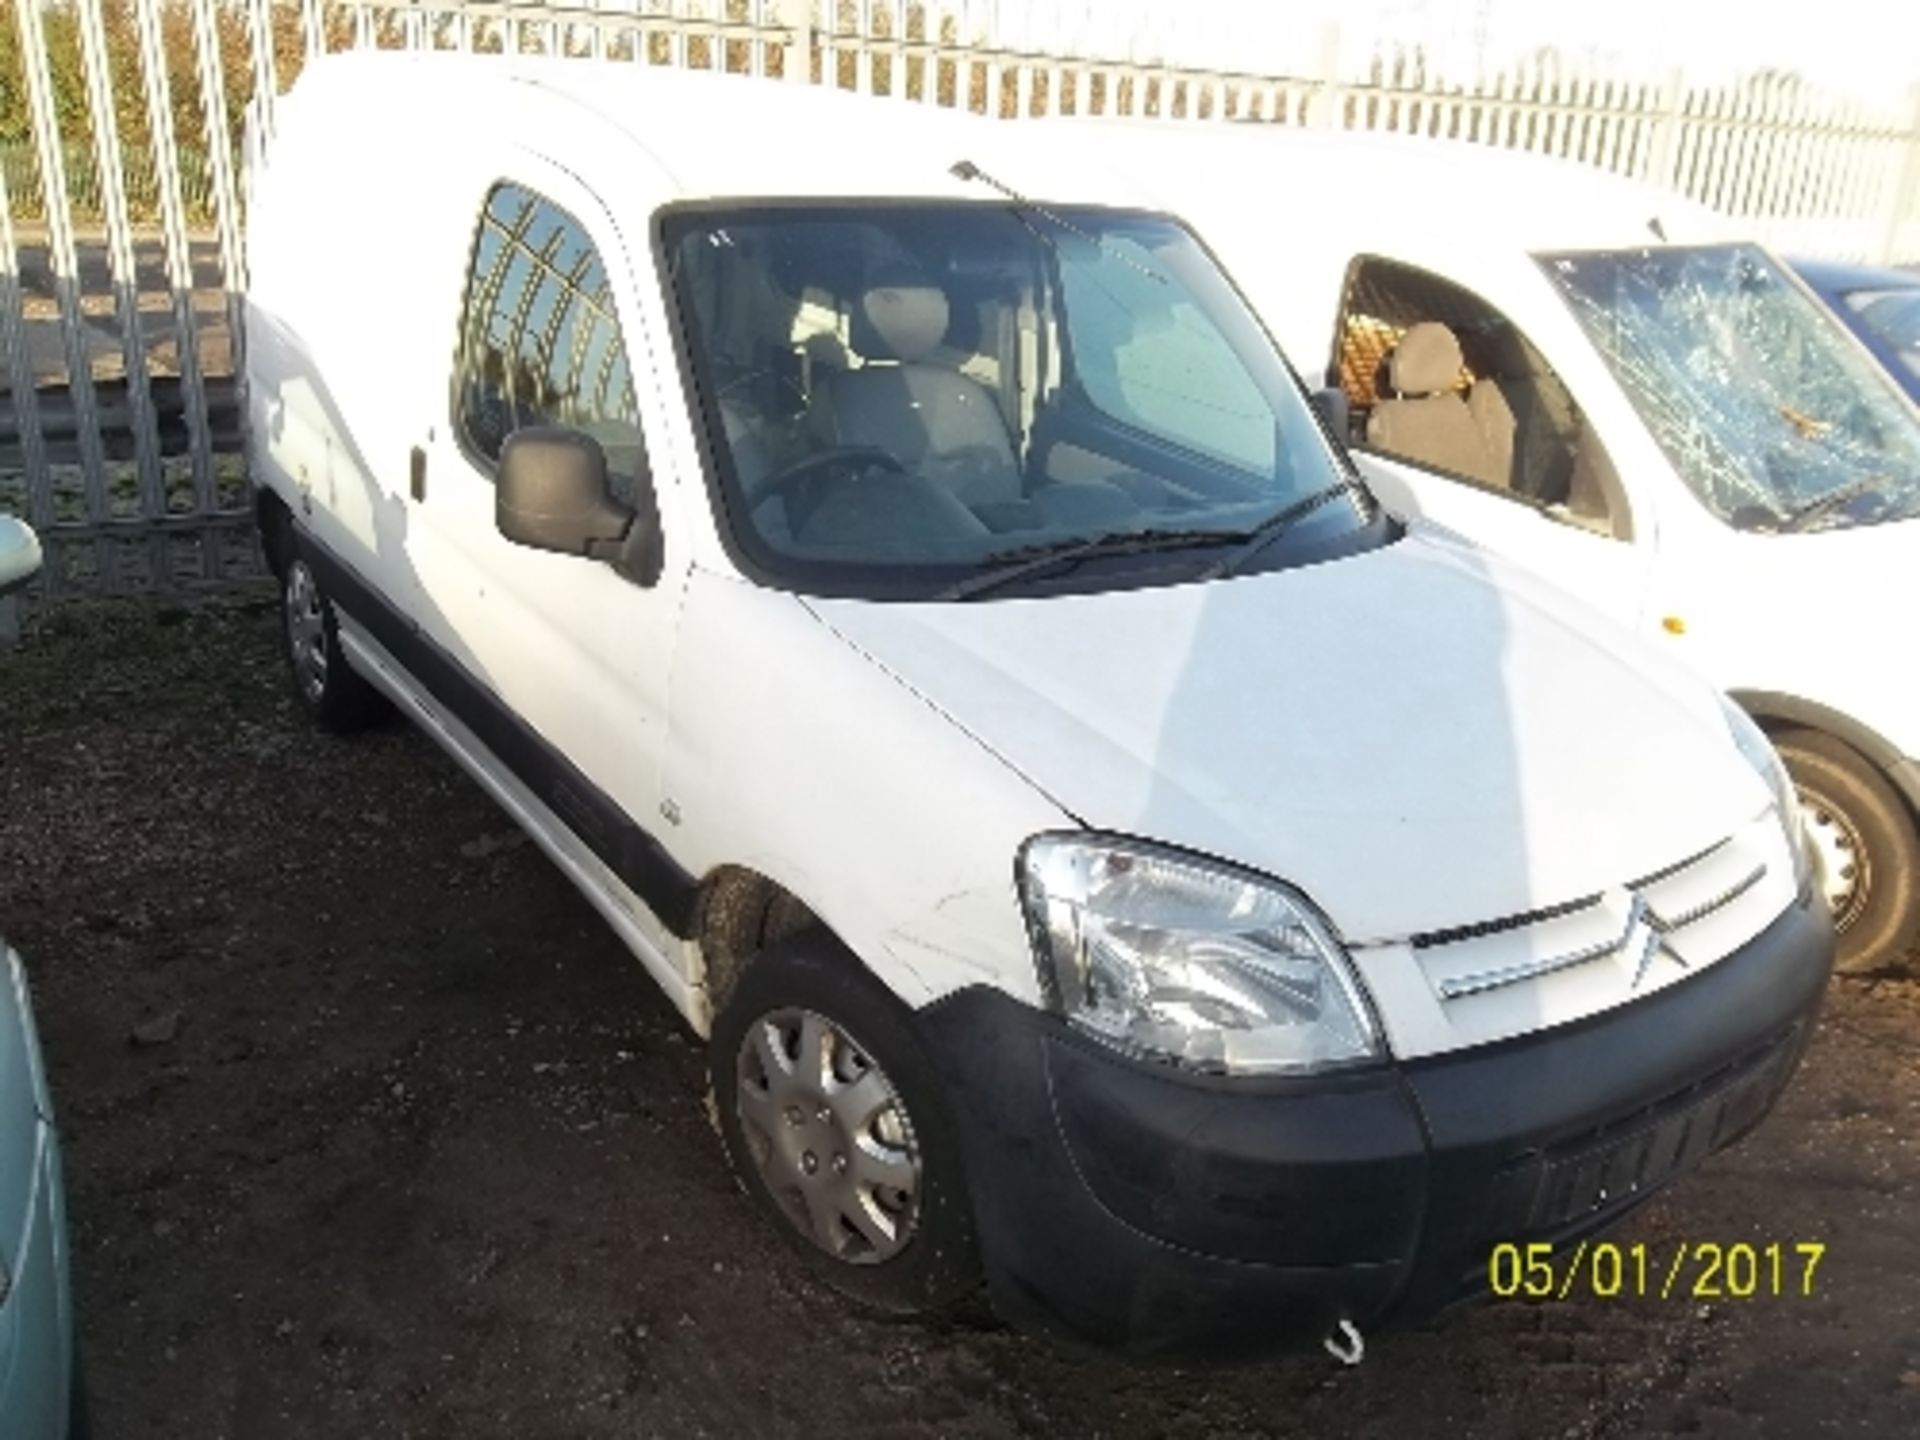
x=19 y=554
x=551 y=493
x=1331 y=402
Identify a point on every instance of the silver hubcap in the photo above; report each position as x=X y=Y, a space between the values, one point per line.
x=1845 y=876
x=829 y=1135
x=306 y=630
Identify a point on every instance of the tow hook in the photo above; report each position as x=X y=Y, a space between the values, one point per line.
x=1345 y=1344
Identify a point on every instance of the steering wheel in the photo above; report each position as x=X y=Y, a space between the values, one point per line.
x=801 y=501
x=824 y=459
x=761 y=372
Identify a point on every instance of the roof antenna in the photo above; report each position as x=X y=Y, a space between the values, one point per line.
x=1659 y=230
x=964 y=169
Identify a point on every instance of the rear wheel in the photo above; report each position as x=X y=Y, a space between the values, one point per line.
x=326 y=686
x=833 y=1119
x=1866 y=852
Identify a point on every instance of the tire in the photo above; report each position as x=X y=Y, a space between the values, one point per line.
x=324 y=683
x=897 y=1238
x=1866 y=851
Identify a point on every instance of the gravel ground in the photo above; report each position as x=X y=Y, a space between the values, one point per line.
x=373 y=1130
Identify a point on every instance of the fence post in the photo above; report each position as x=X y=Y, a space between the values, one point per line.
x=1904 y=200
x=66 y=279
x=124 y=276
x=1325 y=110
x=796 y=58
x=26 y=400
x=226 y=205
x=1663 y=166
x=179 y=254
x=266 y=75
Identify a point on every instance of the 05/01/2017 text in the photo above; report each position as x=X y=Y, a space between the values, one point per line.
x=1686 y=1270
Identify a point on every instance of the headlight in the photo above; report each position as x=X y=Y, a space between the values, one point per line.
x=1188 y=960
x=1766 y=762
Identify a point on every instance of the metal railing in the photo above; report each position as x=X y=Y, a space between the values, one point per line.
x=121 y=217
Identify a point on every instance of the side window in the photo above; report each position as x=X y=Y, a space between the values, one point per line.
x=1435 y=375
x=540 y=342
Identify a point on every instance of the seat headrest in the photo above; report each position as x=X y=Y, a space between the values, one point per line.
x=901 y=316
x=1426 y=361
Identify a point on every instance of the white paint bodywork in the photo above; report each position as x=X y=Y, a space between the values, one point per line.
x=1814 y=616
x=1289 y=721
x=1418 y=738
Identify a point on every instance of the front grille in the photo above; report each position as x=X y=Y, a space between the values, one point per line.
x=1431 y=939
x=1579 y=956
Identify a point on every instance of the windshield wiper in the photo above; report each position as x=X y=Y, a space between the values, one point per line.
x=1273 y=527
x=1797 y=520
x=1033 y=559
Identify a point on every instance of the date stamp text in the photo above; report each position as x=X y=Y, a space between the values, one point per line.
x=1683 y=1270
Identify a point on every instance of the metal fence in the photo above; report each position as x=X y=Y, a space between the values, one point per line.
x=121 y=214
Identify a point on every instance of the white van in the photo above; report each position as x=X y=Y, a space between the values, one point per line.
x=1616 y=387
x=1105 y=851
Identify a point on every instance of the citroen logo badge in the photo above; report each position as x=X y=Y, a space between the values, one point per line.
x=1646 y=937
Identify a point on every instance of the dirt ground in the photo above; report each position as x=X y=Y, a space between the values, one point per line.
x=373 y=1130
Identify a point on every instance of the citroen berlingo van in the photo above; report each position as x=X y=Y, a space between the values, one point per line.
x=1622 y=390
x=884 y=563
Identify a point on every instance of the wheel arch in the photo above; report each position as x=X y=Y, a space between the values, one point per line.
x=1775 y=710
x=275 y=523
x=737 y=913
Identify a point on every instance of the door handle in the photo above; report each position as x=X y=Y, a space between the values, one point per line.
x=417 y=473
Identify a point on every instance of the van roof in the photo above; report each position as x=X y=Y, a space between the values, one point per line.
x=720 y=135
x=1529 y=201
x=725 y=136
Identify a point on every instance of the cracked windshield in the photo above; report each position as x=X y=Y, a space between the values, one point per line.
x=959 y=386
x=1770 y=414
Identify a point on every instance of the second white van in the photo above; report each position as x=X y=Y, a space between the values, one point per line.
x=1621 y=390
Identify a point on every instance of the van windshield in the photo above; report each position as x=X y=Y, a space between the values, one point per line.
x=903 y=397
x=1770 y=412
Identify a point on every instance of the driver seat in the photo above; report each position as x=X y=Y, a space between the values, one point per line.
x=940 y=424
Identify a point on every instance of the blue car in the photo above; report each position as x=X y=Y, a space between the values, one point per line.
x=1881 y=306
x=40 y=1390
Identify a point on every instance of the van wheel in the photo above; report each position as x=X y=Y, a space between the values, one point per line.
x=326 y=686
x=834 y=1123
x=1866 y=854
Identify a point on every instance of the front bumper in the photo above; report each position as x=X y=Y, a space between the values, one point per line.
x=1157 y=1212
